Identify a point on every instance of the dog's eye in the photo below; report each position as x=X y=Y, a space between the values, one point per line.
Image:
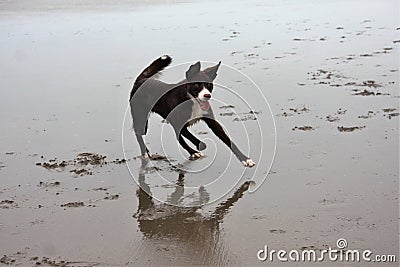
x=196 y=85
x=209 y=86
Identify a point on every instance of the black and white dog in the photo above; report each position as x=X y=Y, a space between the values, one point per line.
x=181 y=104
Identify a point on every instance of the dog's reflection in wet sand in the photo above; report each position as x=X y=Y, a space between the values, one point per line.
x=171 y=219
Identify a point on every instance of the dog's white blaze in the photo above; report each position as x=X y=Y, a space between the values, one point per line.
x=197 y=112
x=203 y=92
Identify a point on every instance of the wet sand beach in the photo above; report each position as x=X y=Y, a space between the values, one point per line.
x=73 y=191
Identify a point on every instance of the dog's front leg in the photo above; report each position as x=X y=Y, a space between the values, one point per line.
x=179 y=130
x=193 y=153
x=219 y=131
x=195 y=141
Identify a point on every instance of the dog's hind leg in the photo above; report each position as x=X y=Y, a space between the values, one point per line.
x=143 y=148
x=195 y=141
x=140 y=125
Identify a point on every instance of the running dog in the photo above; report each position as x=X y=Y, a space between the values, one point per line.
x=181 y=104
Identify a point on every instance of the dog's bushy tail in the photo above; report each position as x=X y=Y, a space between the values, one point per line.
x=158 y=65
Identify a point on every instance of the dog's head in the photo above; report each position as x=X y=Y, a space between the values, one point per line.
x=200 y=83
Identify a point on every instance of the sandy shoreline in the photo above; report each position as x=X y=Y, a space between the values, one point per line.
x=331 y=77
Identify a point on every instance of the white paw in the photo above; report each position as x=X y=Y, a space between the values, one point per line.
x=248 y=163
x=195 y=156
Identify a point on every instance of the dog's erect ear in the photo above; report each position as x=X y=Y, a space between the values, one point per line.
x=193 y=70
x=212 y=71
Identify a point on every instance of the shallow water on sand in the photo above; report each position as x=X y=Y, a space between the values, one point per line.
x=66 y=72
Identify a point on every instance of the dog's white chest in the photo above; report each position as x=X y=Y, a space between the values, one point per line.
x=197 y=112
